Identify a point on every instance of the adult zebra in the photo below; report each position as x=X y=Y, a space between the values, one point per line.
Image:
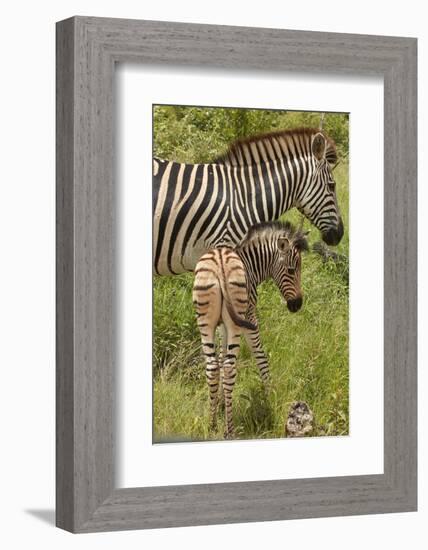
x=200 y=206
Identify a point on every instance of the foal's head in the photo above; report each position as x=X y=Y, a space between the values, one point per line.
x=273 y=249
x=287 y=264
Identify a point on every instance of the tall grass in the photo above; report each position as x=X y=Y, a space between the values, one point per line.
x=307 y=350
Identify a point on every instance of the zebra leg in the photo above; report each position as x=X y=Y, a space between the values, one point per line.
x=253 y=340
x=222 y=353
x=207 y=300
x=212 y=372
x=229 y=375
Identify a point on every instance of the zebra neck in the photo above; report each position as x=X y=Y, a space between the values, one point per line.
x=257 y=264
x=272 y=187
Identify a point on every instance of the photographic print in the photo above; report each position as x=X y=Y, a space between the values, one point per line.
x=250 y=273
x=146 y=395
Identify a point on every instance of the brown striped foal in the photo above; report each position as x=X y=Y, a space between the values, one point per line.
x=225 y=293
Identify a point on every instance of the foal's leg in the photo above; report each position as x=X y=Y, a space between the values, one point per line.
x=229 y=375
x=222 y=353
x=212 y=372
x=206 y=297
x=253 y=340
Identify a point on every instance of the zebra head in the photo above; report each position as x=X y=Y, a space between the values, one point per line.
x=287 y=267
x=318 y=200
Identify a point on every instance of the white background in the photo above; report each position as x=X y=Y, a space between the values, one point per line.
x=174 y=464
x=27 y=286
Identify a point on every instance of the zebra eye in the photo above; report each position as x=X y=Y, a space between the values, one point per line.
x=331 y=185
x=291 y=270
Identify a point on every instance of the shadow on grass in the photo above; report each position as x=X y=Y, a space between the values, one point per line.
x=254 y=416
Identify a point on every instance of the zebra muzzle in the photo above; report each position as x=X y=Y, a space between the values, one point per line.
x=333 y=236
x=295 y=304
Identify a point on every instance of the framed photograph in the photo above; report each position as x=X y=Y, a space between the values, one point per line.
x=236 y=274
x=303 y=365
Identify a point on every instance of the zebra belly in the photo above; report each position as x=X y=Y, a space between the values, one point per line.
x=178 y=247
x=173 y=262
x=192 y=212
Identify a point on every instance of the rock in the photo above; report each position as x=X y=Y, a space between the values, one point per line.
x=300 y=420
x=327 y=254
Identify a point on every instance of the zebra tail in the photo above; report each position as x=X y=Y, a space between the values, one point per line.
x=240 y=321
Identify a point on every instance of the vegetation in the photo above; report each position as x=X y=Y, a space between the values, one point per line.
x=201 y=134
x=308 y=350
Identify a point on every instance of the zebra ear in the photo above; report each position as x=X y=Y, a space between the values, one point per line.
x=283 y=244
x=318 y=146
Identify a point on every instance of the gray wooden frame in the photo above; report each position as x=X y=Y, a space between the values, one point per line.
x=87 y=50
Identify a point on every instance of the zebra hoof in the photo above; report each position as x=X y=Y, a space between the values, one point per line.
x=213 y=421
x=229 y=434
x=267 y=386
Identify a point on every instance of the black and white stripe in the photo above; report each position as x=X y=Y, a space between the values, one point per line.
x=225 y=293
x=271 y=250
x=200 y=206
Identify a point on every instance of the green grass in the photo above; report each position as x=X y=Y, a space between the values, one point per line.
x=307 y=350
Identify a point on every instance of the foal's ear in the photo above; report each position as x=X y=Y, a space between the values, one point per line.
x=283 y=244
x=318 y=146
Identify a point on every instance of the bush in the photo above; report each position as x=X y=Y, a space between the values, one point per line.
x=201 y=134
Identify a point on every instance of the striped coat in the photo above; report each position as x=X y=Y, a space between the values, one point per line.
x=225 y=293
x=200 y=206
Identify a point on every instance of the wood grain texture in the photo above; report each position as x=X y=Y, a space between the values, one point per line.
x=64 y=278
x=87 y=49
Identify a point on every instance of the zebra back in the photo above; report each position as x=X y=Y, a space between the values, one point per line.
x=200 y=206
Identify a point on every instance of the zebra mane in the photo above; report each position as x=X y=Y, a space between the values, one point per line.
x=274 y=145
x=264 y=229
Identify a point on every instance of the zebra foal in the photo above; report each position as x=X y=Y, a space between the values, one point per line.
x=225 y=293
